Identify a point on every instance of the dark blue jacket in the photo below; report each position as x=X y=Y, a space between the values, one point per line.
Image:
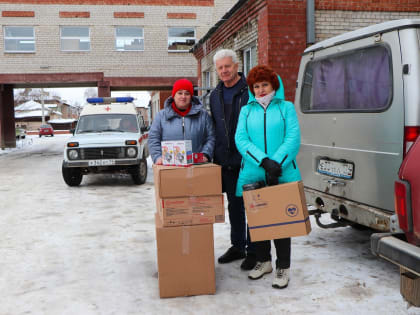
x=225 y=152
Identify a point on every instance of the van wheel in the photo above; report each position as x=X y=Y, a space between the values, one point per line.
x=139 y=174
x=72 y=176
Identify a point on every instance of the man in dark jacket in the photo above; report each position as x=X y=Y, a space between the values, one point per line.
x=225 y=103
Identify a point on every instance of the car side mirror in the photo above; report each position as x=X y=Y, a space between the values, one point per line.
x=72 y=131
x=144 y=128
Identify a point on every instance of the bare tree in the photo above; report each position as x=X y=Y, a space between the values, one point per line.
x=90 y=92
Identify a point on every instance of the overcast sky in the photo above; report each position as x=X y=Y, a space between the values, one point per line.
x=73 y=95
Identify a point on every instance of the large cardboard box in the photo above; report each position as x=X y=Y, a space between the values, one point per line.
x=277 y=212
x=185 y=257
x=196 y=180
x=191 y=210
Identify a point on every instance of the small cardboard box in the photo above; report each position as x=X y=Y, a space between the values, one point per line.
x=191 y=210
x=185 y=258
x=277 y=212
x=183 y=153
x=196 y=180
x=168 y=153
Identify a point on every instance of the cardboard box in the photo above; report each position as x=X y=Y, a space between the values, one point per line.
x=183 y=153
x=185 y=257
x=196 y=180
x=277 y=212
x=191 y=210
x=410 y=287
x=167 y=152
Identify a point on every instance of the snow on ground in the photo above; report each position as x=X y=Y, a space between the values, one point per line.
x=91 y=250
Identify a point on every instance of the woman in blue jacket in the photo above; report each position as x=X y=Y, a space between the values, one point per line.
x=268 y=138
x=183 y=118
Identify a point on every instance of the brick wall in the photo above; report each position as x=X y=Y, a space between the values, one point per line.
x=243 y=38
x=287 y=40
x=329 y=23
x=154 y=61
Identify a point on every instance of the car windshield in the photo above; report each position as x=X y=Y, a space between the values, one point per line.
x=107 y=123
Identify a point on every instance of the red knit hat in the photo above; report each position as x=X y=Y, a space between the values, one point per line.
x=183 y=84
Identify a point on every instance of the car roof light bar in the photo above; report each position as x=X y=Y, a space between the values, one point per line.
x=109 y=100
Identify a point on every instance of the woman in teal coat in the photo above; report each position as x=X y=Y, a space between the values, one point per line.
x=268 y=138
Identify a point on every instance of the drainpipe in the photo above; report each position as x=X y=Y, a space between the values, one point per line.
x=310 y=21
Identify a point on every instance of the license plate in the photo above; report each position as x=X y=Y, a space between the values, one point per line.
x=336 y=168
x=101 y=162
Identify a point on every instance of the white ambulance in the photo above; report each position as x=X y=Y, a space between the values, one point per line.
x=110 y=136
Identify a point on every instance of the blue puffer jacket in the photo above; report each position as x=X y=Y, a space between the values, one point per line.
x=196 y=126
x=272 y=133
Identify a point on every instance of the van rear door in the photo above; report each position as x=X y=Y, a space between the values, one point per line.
x=351 y=112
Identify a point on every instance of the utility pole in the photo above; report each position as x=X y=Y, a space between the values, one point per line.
x=43 y=94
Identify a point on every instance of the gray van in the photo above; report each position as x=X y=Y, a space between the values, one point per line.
x=358 y=103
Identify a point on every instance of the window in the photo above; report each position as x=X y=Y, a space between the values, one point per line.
x=360 y=80
x=75 y=38
x=129 y=38
x=206 y=79
x=19 y=39
x=250 y=59
x=181 y=39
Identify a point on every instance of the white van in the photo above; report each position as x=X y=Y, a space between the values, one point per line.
x=110 y=137
x=358 y=102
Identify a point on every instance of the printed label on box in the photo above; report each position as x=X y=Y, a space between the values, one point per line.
x=183 y=152
x=168 y=153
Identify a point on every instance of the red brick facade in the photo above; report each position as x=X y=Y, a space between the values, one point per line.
x=204 y=3
x=282 y=30
x=18 y=14
x=181 y=15
x=68 y=14
x=138 y=15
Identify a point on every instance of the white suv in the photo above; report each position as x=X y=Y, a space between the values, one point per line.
x=109 y=137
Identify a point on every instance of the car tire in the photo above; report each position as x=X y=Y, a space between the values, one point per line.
x=72 y=176
x=52 y=135
x=139 y=174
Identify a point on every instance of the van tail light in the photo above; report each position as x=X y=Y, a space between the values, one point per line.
x=410 y=135
x=403 y=205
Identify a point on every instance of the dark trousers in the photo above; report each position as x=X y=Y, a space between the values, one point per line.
x=239 y=232
x=263 y=251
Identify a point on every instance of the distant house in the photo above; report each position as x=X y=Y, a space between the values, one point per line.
x=29 y=115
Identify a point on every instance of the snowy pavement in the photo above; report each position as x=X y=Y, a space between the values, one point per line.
x=91 y=250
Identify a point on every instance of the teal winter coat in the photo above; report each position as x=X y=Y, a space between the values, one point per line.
x=272 y=132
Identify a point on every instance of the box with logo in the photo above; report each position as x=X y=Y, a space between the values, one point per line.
x=183 y=153
x=196 y=180
x=191 y=210
x=185 y=259
x=168 y=152
x=278 y=211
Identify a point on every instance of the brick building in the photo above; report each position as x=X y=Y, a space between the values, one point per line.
x=108 y=44
x=276 y=32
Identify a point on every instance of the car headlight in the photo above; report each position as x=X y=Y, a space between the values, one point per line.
x=131 y=152
x=73 y=154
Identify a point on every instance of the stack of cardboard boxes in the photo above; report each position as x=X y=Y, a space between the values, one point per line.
x=188 y=201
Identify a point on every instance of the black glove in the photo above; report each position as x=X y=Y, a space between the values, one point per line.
x=272 y=168
x=271 y=180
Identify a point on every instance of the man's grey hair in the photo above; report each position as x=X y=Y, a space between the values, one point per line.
x=223 y=53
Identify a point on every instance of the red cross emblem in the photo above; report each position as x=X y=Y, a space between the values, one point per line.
x=107 y=108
